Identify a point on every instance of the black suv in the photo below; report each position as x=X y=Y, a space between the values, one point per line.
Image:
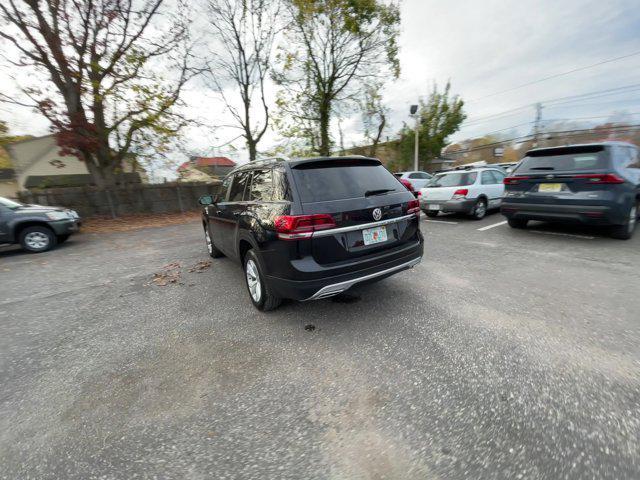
x=37 y=228
x=597 y=184
x=309 y=229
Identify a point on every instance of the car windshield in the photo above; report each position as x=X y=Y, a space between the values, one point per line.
x=456 y=179
x=9 y=203
x=328 y=180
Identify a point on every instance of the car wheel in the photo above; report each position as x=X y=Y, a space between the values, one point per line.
x=431 y=213
x=625 y=231
x=259 y=290
x=211 y=248
x=63 y=238
x=517 y=223
x=37 y=239
x=479 y=209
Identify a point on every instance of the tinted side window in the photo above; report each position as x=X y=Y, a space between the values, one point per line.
x=280 y=185
x=238 y=187
x=223 y=190
x=261 y=185
x=415 y=175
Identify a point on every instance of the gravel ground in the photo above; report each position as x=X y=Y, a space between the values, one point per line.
x=504 y=354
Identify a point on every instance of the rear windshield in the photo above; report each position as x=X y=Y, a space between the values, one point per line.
x=326 y=181
x=457 y=179
x=570 y=160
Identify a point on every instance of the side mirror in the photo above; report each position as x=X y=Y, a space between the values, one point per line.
x=206 y=200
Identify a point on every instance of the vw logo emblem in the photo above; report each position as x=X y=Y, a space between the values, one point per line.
x=377 y=214
x=549 y=177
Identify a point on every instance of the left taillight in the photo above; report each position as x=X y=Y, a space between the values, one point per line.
x=413 y=206
x=294 y=227
x=460 y=194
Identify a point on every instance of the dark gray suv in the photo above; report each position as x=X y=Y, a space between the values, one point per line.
x=37 y=228
x=597 y=184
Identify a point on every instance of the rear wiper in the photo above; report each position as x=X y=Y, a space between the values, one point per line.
x=542 y=168
x=381 y=191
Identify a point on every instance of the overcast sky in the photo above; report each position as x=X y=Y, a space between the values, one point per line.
x=483 y=48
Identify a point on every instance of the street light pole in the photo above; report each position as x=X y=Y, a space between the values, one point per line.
x=414 y=112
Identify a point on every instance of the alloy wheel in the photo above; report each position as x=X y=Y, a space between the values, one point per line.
x=36 y=240
x=208 y=240
x=253 y=280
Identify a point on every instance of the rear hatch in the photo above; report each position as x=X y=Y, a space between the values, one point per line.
x=352 y=191
x=574 y=175
x=443 y=186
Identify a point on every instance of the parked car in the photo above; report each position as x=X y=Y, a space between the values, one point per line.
x=473 y=191
x=37 y=228
x=508 y=167
x=407 y=184
x=312 y=228
x=597 y=184
x=417 y=179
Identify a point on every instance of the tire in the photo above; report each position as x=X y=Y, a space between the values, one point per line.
x=625 y=231
x=431 y=213
x=517 y=223
x=211 y=248
x=259 y=291
x=63 y=238
x=479 y=209
x=37 y=239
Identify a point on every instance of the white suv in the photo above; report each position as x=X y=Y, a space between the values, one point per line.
x=472 y=191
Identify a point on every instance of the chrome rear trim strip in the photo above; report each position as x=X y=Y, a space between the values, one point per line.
x=337 y=288
x=352 y=228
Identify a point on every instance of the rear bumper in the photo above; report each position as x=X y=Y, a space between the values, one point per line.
x=330 y=285
x=449 y=206
x=585 y=214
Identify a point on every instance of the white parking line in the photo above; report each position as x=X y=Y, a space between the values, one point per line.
x=560 y=234
x=491 y=226
x=441 y=221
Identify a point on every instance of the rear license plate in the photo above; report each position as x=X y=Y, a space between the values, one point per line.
x=550 y=187
x=433 y=206
x=374 y=235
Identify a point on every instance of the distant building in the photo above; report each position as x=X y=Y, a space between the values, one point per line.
x=38 y=164
x=205 y=169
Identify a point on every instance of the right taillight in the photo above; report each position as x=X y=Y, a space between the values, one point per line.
x=460 y=194
x=413 y=206
x=294 y=227
x=514 y=180
x=601 y=178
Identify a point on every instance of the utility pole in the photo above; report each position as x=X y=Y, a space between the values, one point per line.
x=414 y=112
x=536 y=124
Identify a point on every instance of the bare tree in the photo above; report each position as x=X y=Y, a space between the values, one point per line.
x=100 y=61
x=374 y=116
x=332 y=49
x=245 y=31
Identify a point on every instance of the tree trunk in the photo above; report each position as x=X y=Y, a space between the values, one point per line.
x=252 y=147
x=325 y=119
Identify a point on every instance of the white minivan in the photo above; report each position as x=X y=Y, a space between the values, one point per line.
x=471 y=191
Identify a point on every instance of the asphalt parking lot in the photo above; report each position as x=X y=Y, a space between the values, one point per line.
x=504 y=354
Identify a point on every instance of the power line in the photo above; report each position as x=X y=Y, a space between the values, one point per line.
x=557 y=75
x=620 y=128
x=589 y=118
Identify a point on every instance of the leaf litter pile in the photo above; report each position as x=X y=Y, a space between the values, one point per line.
x=172 y=273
